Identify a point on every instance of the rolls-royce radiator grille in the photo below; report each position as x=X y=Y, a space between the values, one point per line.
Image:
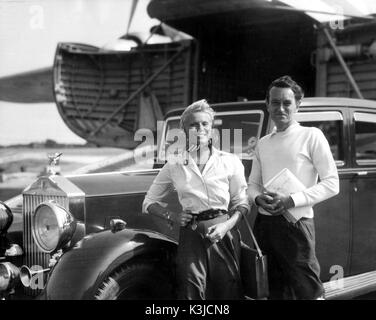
x=34 y=256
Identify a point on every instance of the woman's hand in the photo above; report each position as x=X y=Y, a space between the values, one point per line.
x=217 y=232
x=185 y=217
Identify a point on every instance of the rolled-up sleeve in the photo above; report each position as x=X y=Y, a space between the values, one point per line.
x=238 y=185
x=161 y=186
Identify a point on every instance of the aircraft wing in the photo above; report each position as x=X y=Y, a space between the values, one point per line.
x=28 y=87
x=331 y=10
x=322 y=11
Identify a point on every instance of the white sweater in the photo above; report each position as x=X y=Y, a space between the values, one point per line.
x=306 y=153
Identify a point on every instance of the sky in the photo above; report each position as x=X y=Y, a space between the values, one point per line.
x=29 y=33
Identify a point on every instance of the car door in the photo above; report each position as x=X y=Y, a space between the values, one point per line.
x=332 y=217
x=363 y=135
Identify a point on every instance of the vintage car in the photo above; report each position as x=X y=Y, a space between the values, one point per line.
x=85 y=237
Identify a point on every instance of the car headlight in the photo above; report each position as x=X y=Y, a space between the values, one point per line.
x=6 y=217
x=52 y=226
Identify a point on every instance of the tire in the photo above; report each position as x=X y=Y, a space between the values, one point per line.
x=136 y=281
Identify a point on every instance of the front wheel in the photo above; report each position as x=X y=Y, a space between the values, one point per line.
x=136 y=281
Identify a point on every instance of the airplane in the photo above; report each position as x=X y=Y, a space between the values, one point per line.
x=220 y=50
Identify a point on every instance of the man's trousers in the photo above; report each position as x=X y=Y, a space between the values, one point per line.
x=293 y=269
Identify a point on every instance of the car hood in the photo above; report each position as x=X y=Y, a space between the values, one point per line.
x=127 y=182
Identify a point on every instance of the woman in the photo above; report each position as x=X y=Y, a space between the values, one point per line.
x=206 y=180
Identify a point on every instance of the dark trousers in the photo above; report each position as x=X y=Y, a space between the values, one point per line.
x=207 y=270
x=293 y=269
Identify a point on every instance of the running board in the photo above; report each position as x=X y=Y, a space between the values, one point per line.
x=350 y=287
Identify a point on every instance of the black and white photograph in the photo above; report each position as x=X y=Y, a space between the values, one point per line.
x=165 y=151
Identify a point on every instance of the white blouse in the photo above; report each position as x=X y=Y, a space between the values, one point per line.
x=221 y=182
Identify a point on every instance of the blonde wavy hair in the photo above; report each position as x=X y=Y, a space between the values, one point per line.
x=197 y=106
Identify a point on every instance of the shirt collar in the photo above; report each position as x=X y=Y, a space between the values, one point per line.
x=293 y=125
x=190 y=162
x=215 y=152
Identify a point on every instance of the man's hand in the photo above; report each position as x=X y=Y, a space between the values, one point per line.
x=217 y=232
x=281 y=202
x=265 y=201
x=274 y=203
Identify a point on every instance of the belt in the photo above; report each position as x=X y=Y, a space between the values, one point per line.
x=205 y=215
x=209 y=214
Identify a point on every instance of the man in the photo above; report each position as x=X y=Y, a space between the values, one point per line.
x=294 y=272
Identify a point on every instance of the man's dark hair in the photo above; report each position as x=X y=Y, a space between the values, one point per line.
x=286 y=82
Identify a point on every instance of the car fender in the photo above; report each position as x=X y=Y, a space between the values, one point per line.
x=80 y=271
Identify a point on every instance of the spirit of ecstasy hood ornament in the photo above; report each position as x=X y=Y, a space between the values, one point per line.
x=53 y=163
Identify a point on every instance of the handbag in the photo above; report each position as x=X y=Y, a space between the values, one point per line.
x=253 y=269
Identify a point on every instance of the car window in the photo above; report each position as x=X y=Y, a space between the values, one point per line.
x=235 y=132
x=331 y=124
x=365 y=137
x=238 y=133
